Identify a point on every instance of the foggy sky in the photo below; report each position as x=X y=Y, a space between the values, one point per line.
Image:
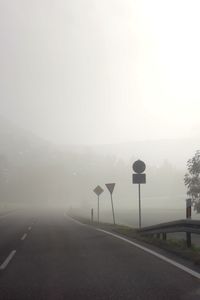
x=101 y=71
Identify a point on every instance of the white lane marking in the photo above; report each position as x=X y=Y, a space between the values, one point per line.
x=29 y=228
x=170 y=261
x=24 y=236
x=76 y=221
x=7 y=260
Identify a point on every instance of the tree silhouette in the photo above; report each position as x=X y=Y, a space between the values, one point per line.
x=192 y=180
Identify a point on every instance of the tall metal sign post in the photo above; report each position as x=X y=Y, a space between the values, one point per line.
x=110 y=187
x=139 y=178
x=98 y=191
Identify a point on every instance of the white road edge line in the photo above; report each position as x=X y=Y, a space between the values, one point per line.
x=7 y=260
x=24 y=236
x=162 y=257
x=76 y=221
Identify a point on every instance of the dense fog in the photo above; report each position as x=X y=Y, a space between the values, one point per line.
x=37 y=172
x=88 y=87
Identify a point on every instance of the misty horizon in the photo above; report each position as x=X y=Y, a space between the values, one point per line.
x=89 y=87
x=100 y=73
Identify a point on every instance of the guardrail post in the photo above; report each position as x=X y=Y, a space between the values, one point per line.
x=188 y=239
x=188 y=227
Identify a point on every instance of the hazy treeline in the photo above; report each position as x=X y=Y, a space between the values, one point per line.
x=67 y=177
x=34 y=171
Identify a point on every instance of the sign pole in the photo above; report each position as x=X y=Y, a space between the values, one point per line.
x=112 y=208
x=98 y=209
x=139 y=178
x=110 y=187
x=98 y=191
x=139 y=193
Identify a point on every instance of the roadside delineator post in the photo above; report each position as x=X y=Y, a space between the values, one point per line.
x=188 y=208
x=188 y=216
x=92 y=215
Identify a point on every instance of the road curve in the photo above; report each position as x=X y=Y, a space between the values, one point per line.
x=58 y=258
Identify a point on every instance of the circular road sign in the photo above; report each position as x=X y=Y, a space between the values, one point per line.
x=139 y=166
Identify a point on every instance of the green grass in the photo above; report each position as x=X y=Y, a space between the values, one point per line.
x=175 y=246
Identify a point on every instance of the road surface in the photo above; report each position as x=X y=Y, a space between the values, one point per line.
x=51 y=256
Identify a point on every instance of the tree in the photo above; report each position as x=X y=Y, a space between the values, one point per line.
x=192 y=180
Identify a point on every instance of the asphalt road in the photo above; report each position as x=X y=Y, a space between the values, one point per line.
x=50 y=256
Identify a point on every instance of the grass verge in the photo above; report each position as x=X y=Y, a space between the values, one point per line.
x=175 y=246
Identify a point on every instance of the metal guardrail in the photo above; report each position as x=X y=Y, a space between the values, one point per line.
x=186 y=225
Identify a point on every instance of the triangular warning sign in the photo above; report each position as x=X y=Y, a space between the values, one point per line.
x=110 y=187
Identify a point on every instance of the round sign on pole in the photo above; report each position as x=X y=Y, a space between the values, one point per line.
x=139 y=166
